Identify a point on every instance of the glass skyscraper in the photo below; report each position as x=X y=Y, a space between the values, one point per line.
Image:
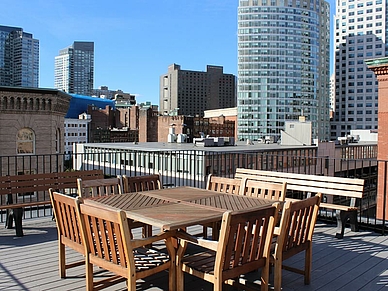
x=283 y=66
x=74 y=68
x=19 y=58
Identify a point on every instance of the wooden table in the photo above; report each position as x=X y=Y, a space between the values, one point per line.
x=180 y=207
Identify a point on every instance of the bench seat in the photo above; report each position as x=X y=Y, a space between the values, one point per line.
x=21 y=191
x=330 y=187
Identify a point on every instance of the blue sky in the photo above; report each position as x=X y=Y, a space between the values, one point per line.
x=135 y=40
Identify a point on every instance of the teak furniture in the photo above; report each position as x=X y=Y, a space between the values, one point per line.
x=69 y=231
x=180 y=207
x=22 y=191
x=243 y=246
x=99 y=187
x=221 y=184
x=141 y=183
x=109 y=244
x=272 y=191
x=294 y=235
x=349 y=189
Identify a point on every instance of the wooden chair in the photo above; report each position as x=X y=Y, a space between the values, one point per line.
x=243 y=247
x=221 y=184
x=141 y=183
x=294 y=235
x=272 y=191
x=99 y=187
x=224 y=185
x=108 y=244
x=69 y=232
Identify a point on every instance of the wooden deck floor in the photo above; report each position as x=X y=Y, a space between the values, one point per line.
x=357 y=262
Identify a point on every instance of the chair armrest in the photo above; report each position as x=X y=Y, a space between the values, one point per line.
x=208 y=244
x=136 y=243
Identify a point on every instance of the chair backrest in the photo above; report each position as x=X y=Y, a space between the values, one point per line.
x=65 y=211
x=225 y=185
x=297 y=226
x=99 y=187
x=245 y=240
x=107 y=237
x=141 y=183
x=273 y=191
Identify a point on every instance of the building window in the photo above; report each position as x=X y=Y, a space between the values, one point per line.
x=25 y=141
x=58 y=141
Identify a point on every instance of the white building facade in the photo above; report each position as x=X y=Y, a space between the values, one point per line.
x=360 y=34
x=283 y=66
x=76 y=131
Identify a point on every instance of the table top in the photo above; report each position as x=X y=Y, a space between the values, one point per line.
x=173 y=208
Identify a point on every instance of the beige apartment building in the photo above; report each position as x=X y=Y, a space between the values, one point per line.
x=190 y=93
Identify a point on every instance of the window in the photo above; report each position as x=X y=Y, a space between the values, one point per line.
x=58 y=141
x=25 y=141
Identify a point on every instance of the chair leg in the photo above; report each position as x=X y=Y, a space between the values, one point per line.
x=62 y=259
x=89 y=276
x=265 y=277
x=308 y=265
x=278 y=274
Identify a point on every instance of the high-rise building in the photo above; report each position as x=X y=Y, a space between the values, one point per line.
x=74 y=68
x=283 y=66
x=360 y=33
x=192 y=92
x=19 y=58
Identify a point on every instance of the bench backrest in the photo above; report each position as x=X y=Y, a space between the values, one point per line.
x=326 y=185
x=68 y=180
x=20 y=184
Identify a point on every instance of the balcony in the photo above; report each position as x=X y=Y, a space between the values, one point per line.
x=358 y=261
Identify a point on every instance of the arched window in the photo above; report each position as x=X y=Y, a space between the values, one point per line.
x=25 y=141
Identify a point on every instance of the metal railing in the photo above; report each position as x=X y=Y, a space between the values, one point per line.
x=190 y=168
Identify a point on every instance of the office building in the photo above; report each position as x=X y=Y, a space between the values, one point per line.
x=76 y=131
x=19 y=58
x=360 y=34
x=192 y=92
x=74 y=68
x=283 y=66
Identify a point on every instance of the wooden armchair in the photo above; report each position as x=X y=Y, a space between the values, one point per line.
x=99 y=187
x=141 y=183
x=243 y=246
x=69 y=232
x=109 y=245
x=294 y=235
x=221 y=184
x=273 y=191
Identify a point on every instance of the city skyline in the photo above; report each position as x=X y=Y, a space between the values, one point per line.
x=134 y=43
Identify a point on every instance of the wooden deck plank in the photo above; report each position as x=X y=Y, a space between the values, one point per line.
x=358 y=262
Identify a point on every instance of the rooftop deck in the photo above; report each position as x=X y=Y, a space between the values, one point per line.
x=357 y=262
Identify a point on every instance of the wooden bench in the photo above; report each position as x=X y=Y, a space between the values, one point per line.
x=331 y=188
x=20 y=191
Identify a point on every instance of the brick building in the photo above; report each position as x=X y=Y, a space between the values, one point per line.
x=380 y=68
x=31 y=123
